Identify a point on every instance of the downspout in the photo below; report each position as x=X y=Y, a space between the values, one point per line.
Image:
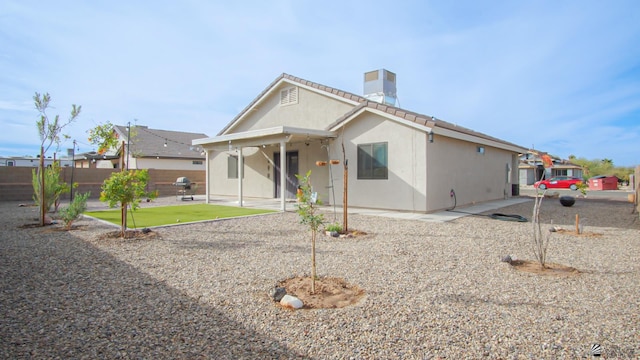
x=207 y=179
x=240 y=175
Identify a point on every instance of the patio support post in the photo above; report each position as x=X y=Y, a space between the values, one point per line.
x=240 y=175
x=283 y=176
x=207 y=179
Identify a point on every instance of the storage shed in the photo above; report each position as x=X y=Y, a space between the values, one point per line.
x=603 y=183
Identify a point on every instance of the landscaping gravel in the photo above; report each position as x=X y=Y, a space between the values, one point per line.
x=433 y=290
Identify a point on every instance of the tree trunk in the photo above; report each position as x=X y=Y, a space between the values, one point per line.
x=123 y=223
x=345 y=226
x=123 y=214
x=313 y=261
x=43 y=211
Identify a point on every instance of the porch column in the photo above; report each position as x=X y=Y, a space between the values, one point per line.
x=207 y=179
x=240 y=174
x=283 y=176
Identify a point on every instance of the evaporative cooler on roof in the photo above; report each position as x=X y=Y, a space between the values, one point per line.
x=380 y=86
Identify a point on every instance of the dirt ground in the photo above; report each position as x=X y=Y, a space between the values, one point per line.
x=330 y=292
x=336 y=293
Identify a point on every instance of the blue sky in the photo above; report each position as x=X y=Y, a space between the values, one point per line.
x=560 y=76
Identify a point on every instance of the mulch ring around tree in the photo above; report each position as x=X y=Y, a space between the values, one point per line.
x=575 y=233
x=143 y=234
x=534 y=267
x=348 y=234
x=330 y=292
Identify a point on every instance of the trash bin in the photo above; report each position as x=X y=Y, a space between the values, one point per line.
x=515 y=189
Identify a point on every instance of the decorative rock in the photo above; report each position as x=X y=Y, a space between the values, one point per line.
x=507 y=259
x=278 y=293
x=291 y=302
x=335 y=234
x=567 y=200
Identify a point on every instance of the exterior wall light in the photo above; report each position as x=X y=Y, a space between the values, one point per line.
x=430 y=136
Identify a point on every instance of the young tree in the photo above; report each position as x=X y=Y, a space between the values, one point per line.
x=307 y=210
x=49 y=132
x=126 y=188
x=540 y=239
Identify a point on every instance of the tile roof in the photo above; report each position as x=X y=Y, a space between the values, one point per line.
x=147 y=142
x=364 y=102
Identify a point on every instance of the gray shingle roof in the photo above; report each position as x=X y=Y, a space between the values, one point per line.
x=147 y=142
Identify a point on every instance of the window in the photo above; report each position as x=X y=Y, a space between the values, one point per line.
x=559 y=172
x=11 y=163
x=197 y=162
x=480 y=150
x=289 y=96
x=232 y=167
x=372 y=161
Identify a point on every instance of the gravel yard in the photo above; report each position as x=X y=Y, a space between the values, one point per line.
x=433 y=290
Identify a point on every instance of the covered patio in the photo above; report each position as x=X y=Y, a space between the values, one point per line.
x=249 y=142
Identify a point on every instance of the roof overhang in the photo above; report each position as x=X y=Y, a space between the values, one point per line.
x=261 y=137
x=476 y=139
x=426 y=128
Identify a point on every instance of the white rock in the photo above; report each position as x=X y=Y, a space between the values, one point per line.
x=291 y=302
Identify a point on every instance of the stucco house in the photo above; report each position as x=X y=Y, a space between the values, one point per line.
x=146 y=148
x=531 y=167
x=395 y=159
x=28 y=161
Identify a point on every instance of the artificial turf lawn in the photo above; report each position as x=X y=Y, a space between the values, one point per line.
x=167 y=215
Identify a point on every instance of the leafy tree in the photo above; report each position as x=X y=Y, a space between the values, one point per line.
x=597 y=167
x=49 y=132
x=126 y=188
x=73 y=212
x=104 y=137
x=307 y=210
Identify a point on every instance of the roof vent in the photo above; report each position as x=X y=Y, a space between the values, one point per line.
x=380 y=86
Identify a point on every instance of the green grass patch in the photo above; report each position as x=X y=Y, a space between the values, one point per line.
x=168 y=215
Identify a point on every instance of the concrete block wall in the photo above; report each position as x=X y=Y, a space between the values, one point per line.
x=15 y=182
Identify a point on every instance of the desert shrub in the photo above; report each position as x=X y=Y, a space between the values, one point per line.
x=73 y=212
x=333 y=227
x=53 y=186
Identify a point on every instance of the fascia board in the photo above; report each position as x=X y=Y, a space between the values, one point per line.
x=385 y=115
x=476 y=140
x=270 y=133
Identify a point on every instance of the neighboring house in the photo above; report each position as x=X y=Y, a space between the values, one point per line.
x=148 y=149
x=397 y=159
x=531 y=167
x=27 y=161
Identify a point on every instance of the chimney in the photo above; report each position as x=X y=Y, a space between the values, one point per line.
x=380 y=86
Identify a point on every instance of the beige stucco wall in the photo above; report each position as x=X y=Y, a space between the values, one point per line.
x=313 y=111
x=405 y=188
x=166 y=164
x=259 y=171
x=474 y=177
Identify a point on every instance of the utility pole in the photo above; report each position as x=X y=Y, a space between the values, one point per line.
x=73 y=165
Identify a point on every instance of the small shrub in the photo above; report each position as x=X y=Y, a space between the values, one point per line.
x=53 y=186
x=333 y=227
x=73 y=212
